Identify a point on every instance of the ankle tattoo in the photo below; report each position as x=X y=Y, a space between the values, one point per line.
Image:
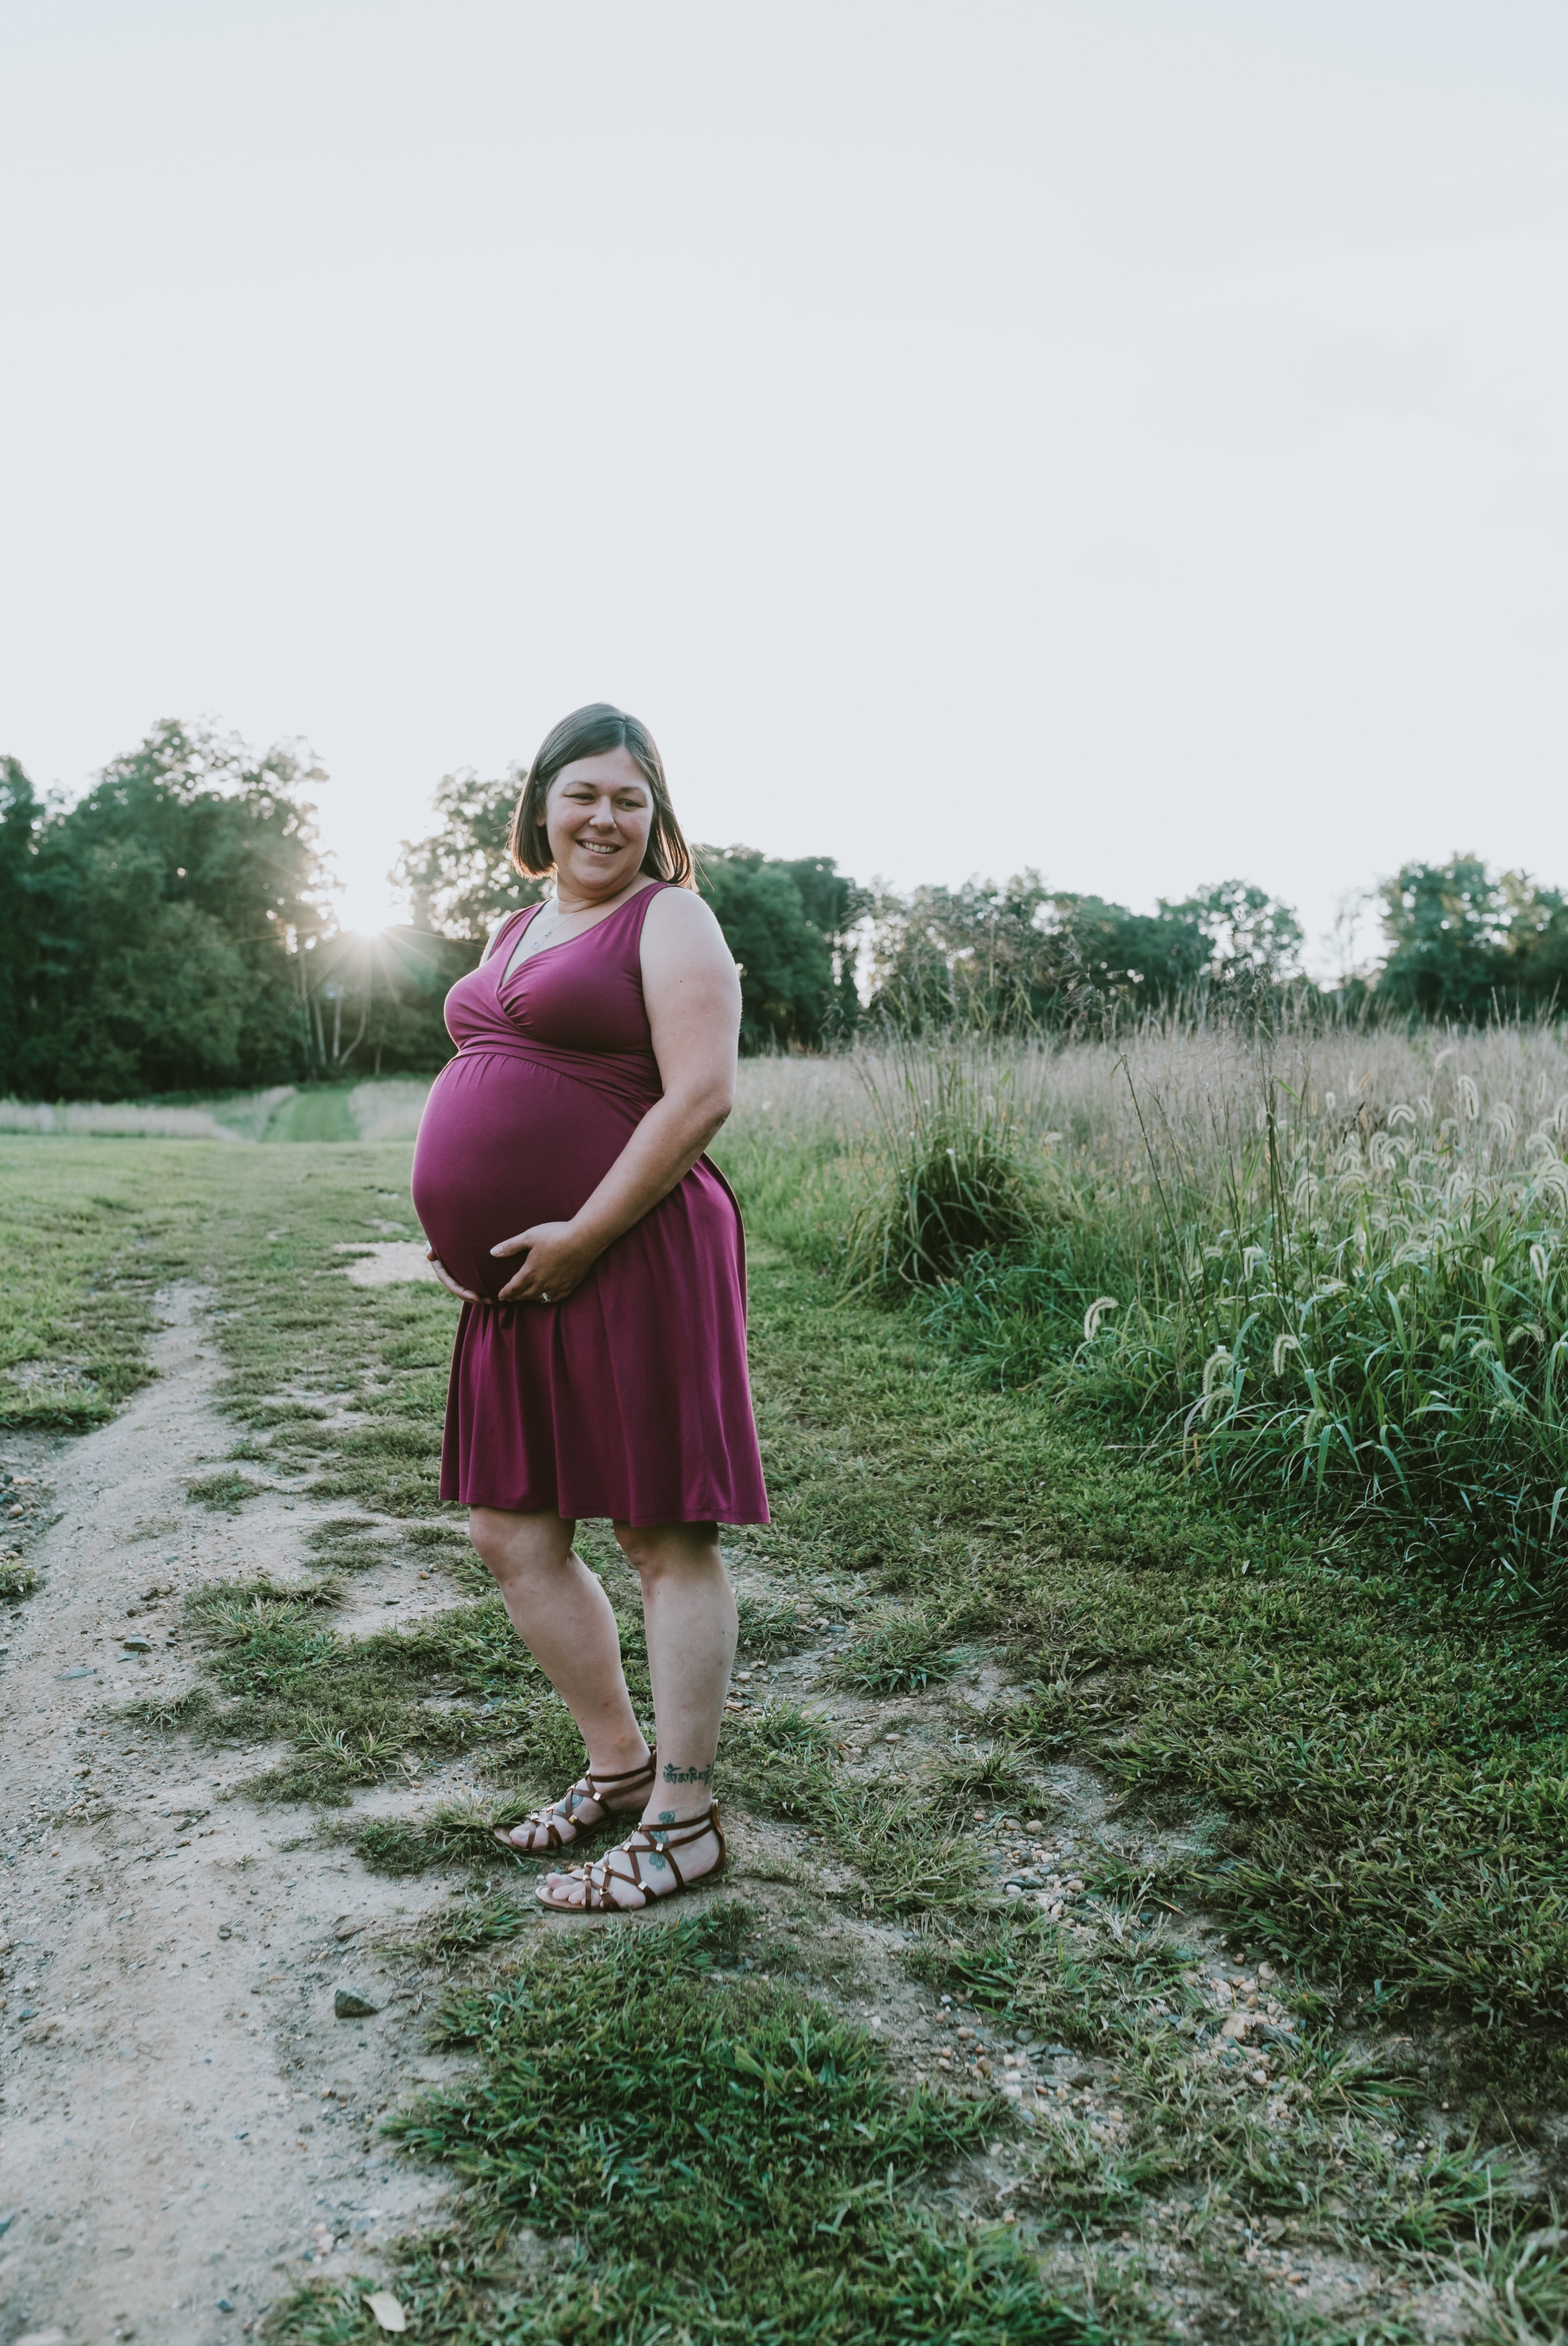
x=688 y=1775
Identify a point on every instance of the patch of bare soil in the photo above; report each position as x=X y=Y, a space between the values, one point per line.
x=187 y=2124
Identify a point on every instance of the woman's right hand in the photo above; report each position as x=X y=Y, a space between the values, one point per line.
x=450 y=1285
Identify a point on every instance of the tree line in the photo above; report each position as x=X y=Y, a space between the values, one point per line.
x=172 y=930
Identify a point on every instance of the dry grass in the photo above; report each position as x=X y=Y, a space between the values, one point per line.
x=389 y=1108
x=1199 y=1088
x=243 y=1116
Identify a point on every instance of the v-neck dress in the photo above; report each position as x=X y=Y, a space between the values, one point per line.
x=631 y=1398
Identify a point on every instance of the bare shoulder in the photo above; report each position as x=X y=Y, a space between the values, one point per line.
x=679 y=929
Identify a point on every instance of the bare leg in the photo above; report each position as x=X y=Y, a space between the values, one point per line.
x=688 y=1608
x=564 y=1617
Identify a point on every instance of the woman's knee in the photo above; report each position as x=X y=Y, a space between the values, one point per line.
x=512 y=1547
x=656 y=1551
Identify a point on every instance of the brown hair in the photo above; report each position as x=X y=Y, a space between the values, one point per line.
x=588 y=733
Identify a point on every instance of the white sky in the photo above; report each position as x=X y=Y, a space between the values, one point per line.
x=1129 y=439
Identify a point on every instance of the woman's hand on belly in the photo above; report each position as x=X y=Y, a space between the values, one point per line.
x=557 y=1258
x=447 y=1281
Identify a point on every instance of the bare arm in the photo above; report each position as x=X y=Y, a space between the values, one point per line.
x=692 y=990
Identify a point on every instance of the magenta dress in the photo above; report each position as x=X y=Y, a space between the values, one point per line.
x=631 y=1398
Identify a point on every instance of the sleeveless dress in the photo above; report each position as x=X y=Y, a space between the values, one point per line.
x=631 y=1398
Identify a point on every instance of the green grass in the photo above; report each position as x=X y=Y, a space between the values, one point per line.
x=316 y=1113
x=1364 y=1780
x=88 y=1231
x=356 y=1710
x=726 y=2157
x=910 y=1650
x=1359 y=1320
x=1390 y=1772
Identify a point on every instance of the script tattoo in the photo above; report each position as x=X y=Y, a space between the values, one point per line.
x=688 y=1775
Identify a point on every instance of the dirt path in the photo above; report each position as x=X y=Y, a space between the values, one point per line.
x=184 y=2122
x=188 y=2129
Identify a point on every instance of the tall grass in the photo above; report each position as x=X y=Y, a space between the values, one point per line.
x=389 y=1108
x=1328 y=1270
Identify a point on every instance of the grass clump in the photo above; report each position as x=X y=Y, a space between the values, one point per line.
x=224 y=1493
x=768 y=1630
x=16 y=1580
x=1514 y=2286
x=900 y=1654
x=178 y=1714
x=452 y=1835
x=950 y=1176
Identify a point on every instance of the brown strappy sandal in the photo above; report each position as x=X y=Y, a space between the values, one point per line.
x=655 y=1841
x=561 y=1813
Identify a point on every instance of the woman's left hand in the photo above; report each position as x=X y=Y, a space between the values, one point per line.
x=556 y=1259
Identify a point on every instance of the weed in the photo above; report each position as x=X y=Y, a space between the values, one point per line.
x=16 y=1580
x=1357 y=1317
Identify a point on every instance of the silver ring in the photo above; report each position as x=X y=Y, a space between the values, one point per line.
x=544 y=1295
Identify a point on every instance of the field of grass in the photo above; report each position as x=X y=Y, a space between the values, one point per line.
x=1350 y=1760
x=1327 y=1275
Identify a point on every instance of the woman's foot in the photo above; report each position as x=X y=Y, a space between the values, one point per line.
x=666 y=1854
x=592 y=1798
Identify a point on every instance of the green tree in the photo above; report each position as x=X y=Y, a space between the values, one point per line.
x=1465 y=942
x=459 y=879
x=1019 y=954
x=838 y=907
x=788 y=981
x=20 y=815
x=162 y=919
x=376 y=1003
x=791 y=926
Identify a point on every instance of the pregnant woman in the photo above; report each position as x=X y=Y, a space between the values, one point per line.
x=600 y=1363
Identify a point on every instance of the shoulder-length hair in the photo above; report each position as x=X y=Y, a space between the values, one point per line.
x=588 y=733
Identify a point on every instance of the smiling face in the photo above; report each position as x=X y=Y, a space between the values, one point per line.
x=597 y=815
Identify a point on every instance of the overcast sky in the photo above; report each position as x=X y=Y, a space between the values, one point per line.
x=1130 y=440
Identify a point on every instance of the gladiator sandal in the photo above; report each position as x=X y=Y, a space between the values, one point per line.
x=560 y=1820
x=651 y=1844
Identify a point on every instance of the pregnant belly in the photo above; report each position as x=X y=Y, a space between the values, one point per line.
x=504 y=1144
